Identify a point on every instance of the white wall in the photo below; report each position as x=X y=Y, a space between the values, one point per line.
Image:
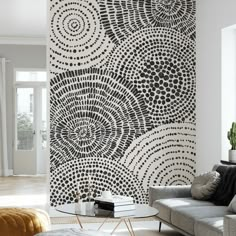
x=20 y=56
x=212 y=17
x=228 y=86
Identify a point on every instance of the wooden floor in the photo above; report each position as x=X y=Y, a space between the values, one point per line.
x=23 y=191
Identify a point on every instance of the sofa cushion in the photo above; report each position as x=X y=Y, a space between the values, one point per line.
x=232 y=205
x=204 y=185
x=164 y=205
x=209 y=226
x=185 y=217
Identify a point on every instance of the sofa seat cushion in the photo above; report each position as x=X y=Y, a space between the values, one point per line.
x=164 y=205
x=185 y=217
x=209 y=226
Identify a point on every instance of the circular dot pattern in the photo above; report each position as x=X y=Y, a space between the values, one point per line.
x=94 y=113
x=78 y=40
x=163 y=156
x=105 y=174
x=121 y=18
x=161 y=65
x=176 y=14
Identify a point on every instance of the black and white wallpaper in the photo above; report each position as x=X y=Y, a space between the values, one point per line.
x=122 y=96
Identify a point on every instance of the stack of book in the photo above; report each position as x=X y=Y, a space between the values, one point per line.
x=119 y=205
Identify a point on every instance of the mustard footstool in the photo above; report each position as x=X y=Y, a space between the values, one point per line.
x=23 y=221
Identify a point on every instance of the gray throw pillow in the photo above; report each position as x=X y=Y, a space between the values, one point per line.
x=205 y=185
x=232 y=205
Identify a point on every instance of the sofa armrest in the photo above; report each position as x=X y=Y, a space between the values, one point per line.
x=230 y=225
x=163 y=192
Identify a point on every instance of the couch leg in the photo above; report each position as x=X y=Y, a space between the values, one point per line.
x=160 y=226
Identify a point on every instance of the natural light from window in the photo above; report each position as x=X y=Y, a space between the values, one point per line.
x=31 y=76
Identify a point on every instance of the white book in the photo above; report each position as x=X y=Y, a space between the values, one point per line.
x=115 y=199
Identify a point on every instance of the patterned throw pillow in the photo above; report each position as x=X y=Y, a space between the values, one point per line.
x=205 y=185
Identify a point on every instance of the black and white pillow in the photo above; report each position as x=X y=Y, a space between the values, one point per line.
x=204 y=185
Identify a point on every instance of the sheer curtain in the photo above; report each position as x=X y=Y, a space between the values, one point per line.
x=3 y=123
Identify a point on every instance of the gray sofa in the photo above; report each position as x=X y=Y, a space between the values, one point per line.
x=188 y=216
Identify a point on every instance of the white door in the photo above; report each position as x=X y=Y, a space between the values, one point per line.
x=30 y=128
x=24 y=158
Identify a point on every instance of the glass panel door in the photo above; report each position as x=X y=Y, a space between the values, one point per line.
x=25 y=149
x=30 y=152
x=25 y=119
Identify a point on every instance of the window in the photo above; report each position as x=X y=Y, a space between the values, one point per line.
x=31 y=76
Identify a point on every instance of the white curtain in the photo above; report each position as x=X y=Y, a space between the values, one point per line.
x=3 y=120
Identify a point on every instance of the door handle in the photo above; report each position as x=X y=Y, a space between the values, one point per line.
x=34 y=132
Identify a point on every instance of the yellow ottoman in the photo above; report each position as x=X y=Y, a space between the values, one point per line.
x=23 y=221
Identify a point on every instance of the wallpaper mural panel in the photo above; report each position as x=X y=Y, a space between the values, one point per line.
x=122 y=96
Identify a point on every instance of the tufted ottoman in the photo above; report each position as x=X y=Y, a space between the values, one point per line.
x=23 y=221
x=73 y=232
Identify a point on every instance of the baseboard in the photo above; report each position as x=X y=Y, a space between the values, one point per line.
x=3 y=172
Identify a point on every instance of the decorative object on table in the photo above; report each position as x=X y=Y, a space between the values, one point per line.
x=77 y=193
x=89 y=188
x=232 y=138
x=107 y=194
x=204 y=185
x=116 y=203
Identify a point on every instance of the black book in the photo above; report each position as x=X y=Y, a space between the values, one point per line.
x=111 y=207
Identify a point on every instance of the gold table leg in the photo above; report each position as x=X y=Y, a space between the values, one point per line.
x=132 y=230
x=81 y=226
x=116 y=226
x=103 y=223
x=128 y=226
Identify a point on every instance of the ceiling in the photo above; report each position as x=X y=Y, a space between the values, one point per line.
x=23 y=19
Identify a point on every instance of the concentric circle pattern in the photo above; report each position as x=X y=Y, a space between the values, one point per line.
x=161 y=64
x=94 y=113
x=105 y=174
x=176 y=14
x=122 y=96
x=163 y=156
x=78 y=40
x=121 y=18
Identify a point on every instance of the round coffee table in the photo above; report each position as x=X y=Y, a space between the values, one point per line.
x=88 y=209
